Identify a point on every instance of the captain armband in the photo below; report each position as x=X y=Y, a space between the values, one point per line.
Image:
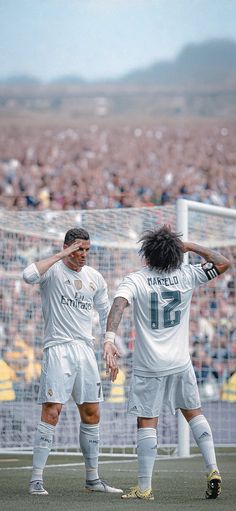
x=110 y=337
x=210 y=270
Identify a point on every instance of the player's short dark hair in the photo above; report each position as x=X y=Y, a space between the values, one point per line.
x=74 y=234
x=162 y=249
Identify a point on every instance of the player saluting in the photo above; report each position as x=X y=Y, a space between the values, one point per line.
x=162 y=370
x=69 y=292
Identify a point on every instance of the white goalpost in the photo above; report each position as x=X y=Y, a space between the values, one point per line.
x=27 y=236
x=220 y=239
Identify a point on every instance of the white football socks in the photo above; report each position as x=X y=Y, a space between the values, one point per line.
x=42 y=446
x=146 y=451
x=203 y=437
x=89 y=444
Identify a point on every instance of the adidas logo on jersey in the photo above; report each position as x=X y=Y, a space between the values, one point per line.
x=67 y=282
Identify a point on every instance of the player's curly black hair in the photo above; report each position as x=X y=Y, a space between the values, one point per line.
x=162 y=249
x=74 y=234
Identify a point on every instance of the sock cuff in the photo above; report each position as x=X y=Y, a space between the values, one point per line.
x=90 y=429
x=197 y=420
x=146 y=433
x=47 y=429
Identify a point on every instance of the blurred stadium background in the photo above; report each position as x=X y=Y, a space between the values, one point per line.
x=115 y=156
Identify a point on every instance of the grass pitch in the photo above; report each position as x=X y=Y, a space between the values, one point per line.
x=178 y=485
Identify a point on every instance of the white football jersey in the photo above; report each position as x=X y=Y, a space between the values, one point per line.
x=68 y=298
x=161 y=304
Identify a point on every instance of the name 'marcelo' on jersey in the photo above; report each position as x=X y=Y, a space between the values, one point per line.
x=68 y=299
x=161 y=305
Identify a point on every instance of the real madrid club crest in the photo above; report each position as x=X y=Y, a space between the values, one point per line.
x=78 y=284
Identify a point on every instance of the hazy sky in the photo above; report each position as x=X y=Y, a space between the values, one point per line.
x=104 y=38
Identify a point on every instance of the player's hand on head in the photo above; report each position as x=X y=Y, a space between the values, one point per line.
x=73 y=247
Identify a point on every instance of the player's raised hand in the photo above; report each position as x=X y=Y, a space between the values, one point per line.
x=72 y=248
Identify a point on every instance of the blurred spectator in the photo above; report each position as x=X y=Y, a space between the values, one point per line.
x=201 y=362
x=229 y=390
x=7 y=392
x=21 y=358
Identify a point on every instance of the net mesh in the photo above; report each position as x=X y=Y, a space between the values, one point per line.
x=29 y=236
x=213 y=327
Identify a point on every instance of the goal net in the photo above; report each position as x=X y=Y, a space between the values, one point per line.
x=29 y=236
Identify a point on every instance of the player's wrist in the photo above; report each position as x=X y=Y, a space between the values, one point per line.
x=59 y=255
x=109 y=337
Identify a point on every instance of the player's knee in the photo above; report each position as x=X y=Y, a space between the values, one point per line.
x=190 y=414
x=50 y=414
x=143 y=422
x=92 y=418
x=90 y=415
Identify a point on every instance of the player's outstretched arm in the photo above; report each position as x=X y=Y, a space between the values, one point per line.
x=115 y=314
x=110 y=351
x=220 y=262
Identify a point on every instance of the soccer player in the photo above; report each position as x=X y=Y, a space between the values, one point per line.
x=69 y=291
x=161 y=293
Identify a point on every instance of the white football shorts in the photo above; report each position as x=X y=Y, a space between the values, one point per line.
x=148 y=395
x=70 y=370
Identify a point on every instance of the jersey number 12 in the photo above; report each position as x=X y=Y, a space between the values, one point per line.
x=171 y=316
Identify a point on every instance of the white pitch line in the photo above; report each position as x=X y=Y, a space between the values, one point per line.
x=114 y=462
x=66 y=465
x=8 y=460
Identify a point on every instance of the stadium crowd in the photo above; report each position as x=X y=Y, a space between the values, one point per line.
x=117 y=167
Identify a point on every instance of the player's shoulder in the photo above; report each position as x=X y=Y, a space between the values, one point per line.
x=54 y=271
x=92 y=272
x=190 y=268
x=57 y=268
x=136 y=275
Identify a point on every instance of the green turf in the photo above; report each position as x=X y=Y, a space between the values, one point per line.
x=178 y=485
